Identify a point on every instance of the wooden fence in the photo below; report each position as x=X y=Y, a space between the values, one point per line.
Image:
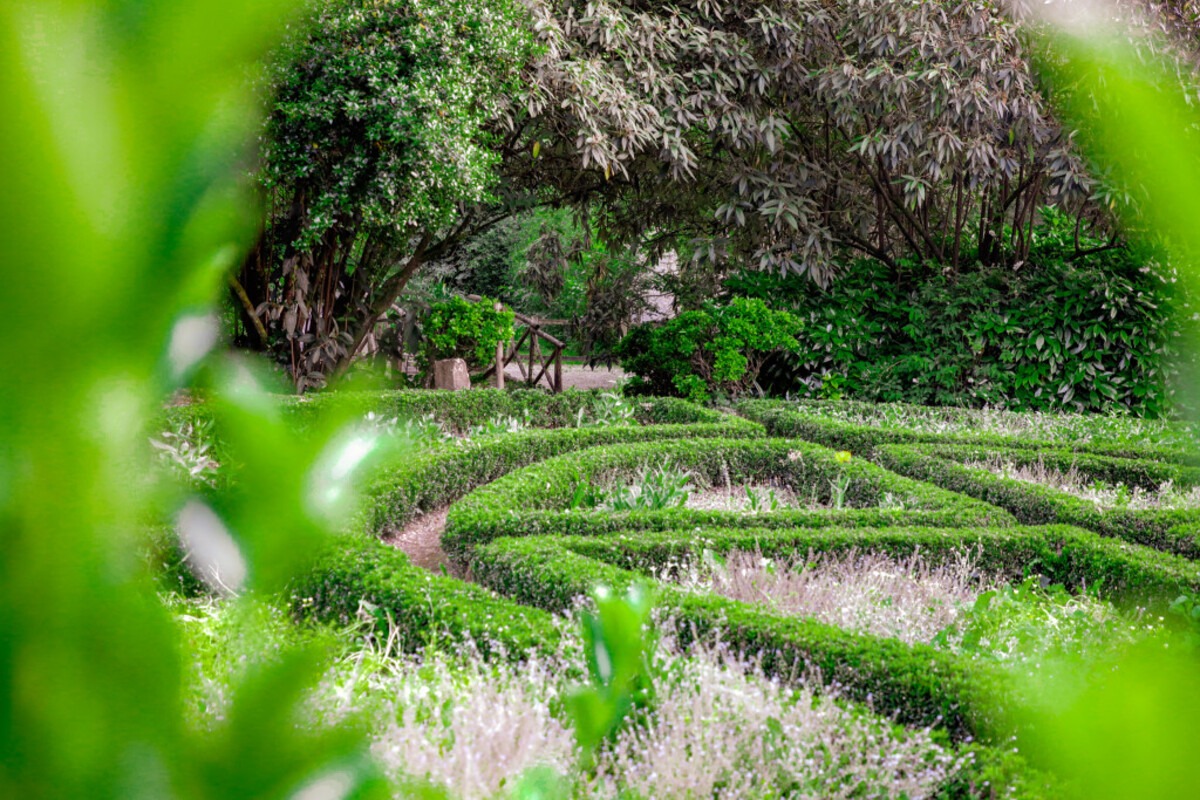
x=538 y=363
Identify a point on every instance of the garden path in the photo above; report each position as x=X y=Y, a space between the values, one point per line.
x=576 y=376
x=421 y=541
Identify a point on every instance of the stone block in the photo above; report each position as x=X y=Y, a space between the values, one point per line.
x=451 y=373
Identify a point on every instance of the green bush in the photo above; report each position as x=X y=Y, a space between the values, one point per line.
x=1082 y=333
x=1172 y=530
x=434 y=478
x=917 y=683
x=862 y=427
x=720 y=348
x=537 y=499
x=359 y=575
x=458 y=328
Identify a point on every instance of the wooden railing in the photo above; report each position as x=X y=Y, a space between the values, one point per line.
x=538 y=364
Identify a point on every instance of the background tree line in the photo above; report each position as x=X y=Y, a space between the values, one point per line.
x=788 y=136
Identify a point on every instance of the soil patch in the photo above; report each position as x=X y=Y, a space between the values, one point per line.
x=421 y=541
x=575 y=376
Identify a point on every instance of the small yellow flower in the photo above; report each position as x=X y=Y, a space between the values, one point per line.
x=842 y=456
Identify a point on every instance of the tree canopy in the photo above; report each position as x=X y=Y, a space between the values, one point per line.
x=785 y=134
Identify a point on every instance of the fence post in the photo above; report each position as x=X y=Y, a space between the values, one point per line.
x=499 y=356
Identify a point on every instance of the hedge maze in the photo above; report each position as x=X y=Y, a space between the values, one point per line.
x=529 y=522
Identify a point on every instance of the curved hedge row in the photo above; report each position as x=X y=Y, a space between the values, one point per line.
x=918 y=683
x=512 y=522
x=445 y=473
x=461 y=410
x=805 y=421
x=1172 y=530
x=535 y=500
x=358 y=574
x=428 y=607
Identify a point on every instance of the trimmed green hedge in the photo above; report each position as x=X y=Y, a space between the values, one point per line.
x=441 y=475
x=805 y=421
x=535 y=500
x=919 y=684
x=1066 y=555
x=1163 y=529
x=426 y=608
x=461 y=410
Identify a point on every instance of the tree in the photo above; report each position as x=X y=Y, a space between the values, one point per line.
x=784 y=133
x=377 y=142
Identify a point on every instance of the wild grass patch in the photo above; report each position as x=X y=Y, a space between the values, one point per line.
x=718 y=726
x=1056 y=427
x=950 y=603
x=1104 y=494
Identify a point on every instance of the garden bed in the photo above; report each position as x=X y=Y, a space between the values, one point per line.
x=1037 y=503
x=862 y=427
x=551 y=496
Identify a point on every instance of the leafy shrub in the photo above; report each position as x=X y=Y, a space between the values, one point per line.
x=651 y=490
x=538 y=499
x=720 y=348
x=862 y=427
x=1082 y=333
x=608 y=408
x=458 y=328
x=1171 y=529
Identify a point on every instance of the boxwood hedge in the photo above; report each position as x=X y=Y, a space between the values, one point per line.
x=805 y=421
x=1034 y=504
x=357 y=573
x=919 y=684
x=1066 y=555
x=443 y=474
x=536 y=499
x=461 y=410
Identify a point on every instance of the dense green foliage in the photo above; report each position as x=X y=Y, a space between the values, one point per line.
x=762 y=134
x=123 y=143
x=379 y=134
x=719 y=348
x=459 y=328
x=862 y=427
x=1090 y=333
x=1170 y=529
x=538 y=499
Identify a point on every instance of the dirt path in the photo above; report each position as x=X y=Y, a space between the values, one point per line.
x=421 y=541
x=576 y=377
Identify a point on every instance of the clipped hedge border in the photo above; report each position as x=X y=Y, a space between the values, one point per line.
x=534 y=500
x=446 y=473
x=920 y=684
x=781 y=419
x=426 y=608
x=1172 y=530
x=461 y=410
x=1066 y=555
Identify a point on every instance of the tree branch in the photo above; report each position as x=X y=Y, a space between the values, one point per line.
x=239 y=292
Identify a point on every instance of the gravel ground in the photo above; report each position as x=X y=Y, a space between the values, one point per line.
x=421 y=541
x=577 y=377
